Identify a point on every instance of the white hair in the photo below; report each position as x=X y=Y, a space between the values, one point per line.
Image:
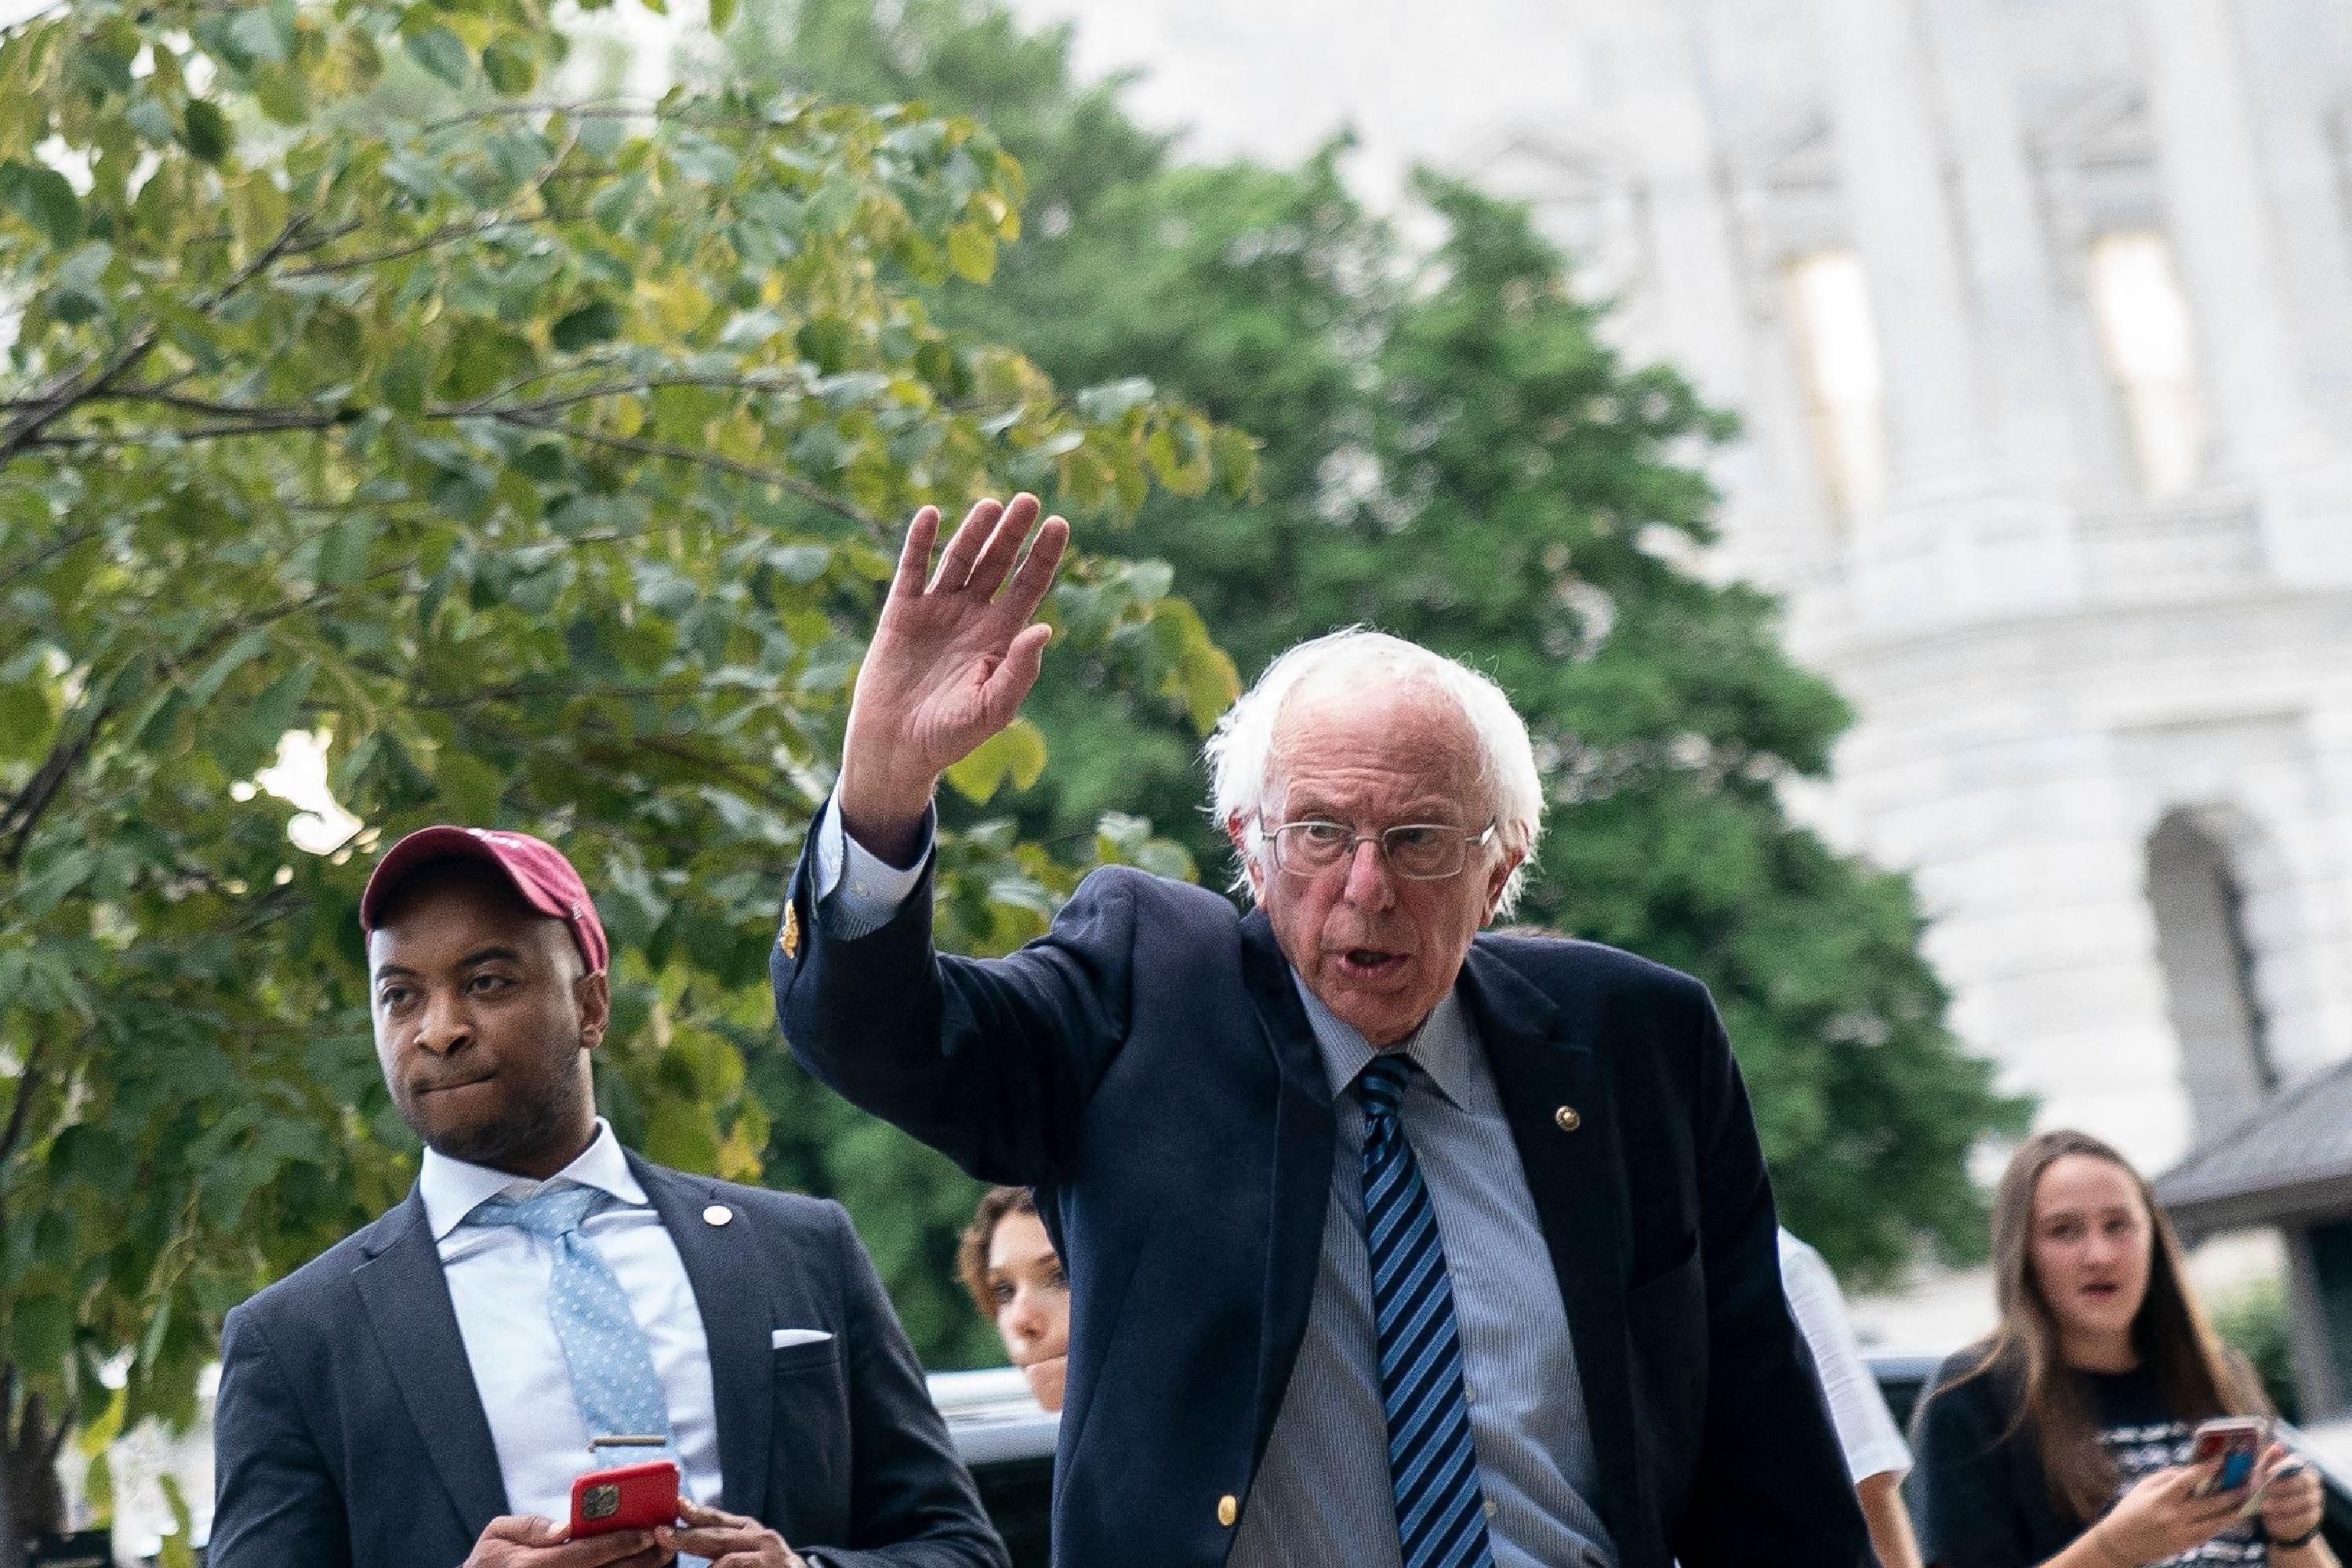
x=1241 y=752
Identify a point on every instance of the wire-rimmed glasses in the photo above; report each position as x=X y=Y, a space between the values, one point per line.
x=1416 y=851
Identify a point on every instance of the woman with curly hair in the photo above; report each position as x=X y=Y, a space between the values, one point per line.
x=1009 y=1265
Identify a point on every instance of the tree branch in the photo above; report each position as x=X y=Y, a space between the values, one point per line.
x=816 y=495
x=28 y=1082
x=24 y=429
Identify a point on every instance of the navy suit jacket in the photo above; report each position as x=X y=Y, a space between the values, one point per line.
x=1148 y=1066
x=348 y=1433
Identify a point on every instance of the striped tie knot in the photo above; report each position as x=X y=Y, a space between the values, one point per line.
x=550 y=1213
x=1383 y=1083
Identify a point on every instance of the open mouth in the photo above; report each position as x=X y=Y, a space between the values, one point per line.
x=1369 y=962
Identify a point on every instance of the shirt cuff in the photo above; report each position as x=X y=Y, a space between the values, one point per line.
x=857 y=891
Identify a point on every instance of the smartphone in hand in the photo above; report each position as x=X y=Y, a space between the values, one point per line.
x=626 y=1497
x=2236 y=1441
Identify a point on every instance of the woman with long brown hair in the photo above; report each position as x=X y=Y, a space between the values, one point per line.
x=2063 y=1440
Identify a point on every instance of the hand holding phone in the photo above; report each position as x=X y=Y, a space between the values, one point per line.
x=2236 y=1441
x=624 y=1497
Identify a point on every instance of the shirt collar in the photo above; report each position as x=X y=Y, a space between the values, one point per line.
x=1444 y=1046
x=452 y=1189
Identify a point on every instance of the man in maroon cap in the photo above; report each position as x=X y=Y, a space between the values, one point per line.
x=424 y=1393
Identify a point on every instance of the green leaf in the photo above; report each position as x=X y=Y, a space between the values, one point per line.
x=723 y=13
x=247 y=647
x=343 y=554
x=443 y=53
x=205 y=131
x=40 y=1332
x=44 y=199
x=596 y=322
x=509 y=65
x=971 y=252
x=1017 y=751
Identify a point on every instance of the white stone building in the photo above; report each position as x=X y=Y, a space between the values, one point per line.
x=2040 y=316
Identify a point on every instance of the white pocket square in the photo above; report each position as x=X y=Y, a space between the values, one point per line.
x=780 y=1338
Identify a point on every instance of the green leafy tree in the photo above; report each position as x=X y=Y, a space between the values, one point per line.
x=548 y=453
x=1452 y=452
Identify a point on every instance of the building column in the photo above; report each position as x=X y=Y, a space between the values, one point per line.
x=2035 y=421
x=2210 y=171
x=1881 y=98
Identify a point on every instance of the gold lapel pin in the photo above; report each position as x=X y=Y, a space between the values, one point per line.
x=790 y=939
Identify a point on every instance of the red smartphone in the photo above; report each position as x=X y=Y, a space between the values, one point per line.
x=2237 y=1442
x=627 y=1497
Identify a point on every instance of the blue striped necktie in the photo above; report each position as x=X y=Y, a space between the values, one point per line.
x=604 y=1348
x=1440 y=1508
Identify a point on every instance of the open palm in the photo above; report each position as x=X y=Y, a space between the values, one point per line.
x=955 y=652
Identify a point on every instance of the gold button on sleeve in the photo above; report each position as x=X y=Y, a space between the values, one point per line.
x=1567 y=1118
x=1229 y=1509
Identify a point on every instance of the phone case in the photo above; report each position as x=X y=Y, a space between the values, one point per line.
x=2237 y=1444
x=627 y=1497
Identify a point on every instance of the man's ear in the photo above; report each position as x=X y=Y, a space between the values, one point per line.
x=1237 y=829
x=594 y=994
x=1500 y=877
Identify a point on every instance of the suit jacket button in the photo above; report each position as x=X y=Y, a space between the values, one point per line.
x=1567 y=1118
x=1228 y=1509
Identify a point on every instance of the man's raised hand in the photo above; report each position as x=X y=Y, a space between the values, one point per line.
x=950 y=663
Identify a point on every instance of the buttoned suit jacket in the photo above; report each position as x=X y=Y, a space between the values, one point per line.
x=1148 y=1066
x=348 y=1432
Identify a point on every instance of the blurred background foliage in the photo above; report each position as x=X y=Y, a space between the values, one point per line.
x=548 y=453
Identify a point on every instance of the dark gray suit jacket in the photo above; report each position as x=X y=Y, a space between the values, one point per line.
x=1149 y=1068
x=349 y=1434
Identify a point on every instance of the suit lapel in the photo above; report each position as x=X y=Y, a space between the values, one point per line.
x=1304 y=1140
x=407 y=1302
x=729 y=1292
x=1577 y=1180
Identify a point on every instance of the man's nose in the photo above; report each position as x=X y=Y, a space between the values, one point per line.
x=445 y=1027
x=1368 y=874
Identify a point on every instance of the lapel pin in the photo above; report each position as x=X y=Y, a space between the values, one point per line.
x=790 y=939
x=1567 y=1118
x=718 y=1214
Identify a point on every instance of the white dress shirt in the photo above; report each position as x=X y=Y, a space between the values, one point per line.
x=497 y=1280
x=1866 y=1428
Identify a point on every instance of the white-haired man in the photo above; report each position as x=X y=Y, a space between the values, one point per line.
x=1388 y=1243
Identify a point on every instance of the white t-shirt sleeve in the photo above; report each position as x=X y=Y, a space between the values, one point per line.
x=1864 y=1428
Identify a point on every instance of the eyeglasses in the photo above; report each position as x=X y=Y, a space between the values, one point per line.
x=1416 y=851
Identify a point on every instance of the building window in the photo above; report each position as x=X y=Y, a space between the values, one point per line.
x=1844 y=386
x=2202 y=946
x=2144 y=333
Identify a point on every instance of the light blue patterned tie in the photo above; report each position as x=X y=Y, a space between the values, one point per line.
x=611 y=1361
x=1440 y=1508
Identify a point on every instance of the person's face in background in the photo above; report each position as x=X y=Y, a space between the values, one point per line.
x=1033 y=1303
x=2090 y=1250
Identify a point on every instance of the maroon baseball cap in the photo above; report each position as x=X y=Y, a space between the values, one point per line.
x=536 y=868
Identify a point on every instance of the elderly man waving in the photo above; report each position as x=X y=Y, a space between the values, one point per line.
x=1388 y=1243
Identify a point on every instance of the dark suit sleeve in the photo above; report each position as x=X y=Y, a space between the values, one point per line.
x=912 y=1504
x=274 y=1500
x=991 y=1062
x=1770 y=1474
